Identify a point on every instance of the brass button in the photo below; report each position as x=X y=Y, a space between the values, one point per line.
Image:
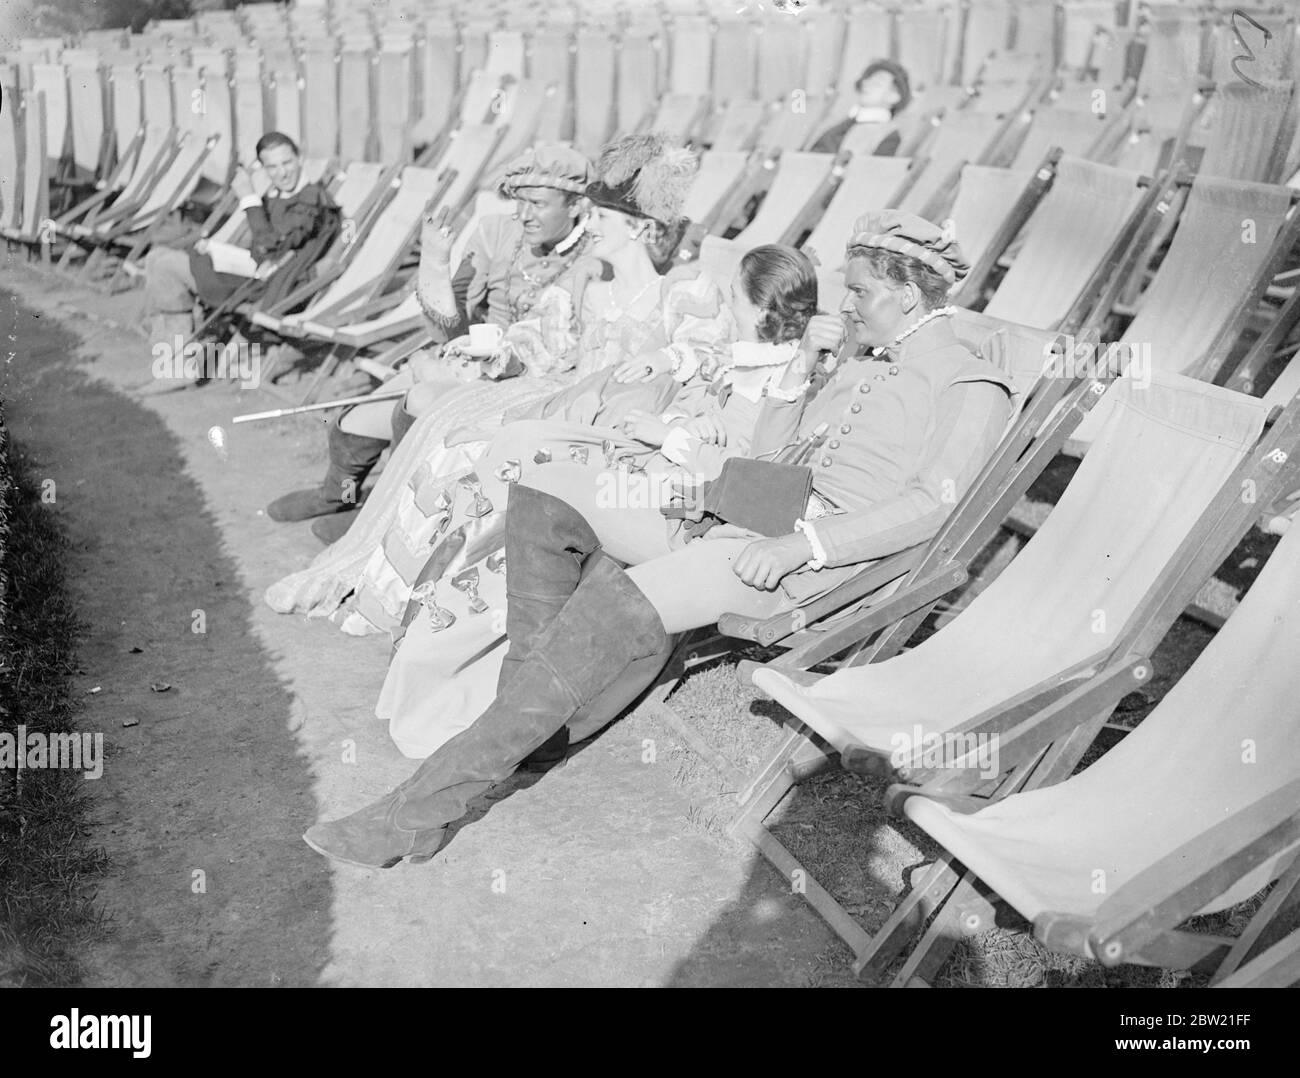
x=855 y=408
x=833 y=444
x=864 y=388
x=845 y=429
x=893 y=370
x=826 y=462
x=878 y=377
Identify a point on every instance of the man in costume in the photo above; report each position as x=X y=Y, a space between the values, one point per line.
x=908 y=430
x=507 y=264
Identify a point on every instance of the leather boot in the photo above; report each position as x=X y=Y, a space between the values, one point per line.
x=547 y=544
x=330 y=530
x=352 y=458
x=605 y=627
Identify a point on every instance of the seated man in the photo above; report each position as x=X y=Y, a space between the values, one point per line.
x=292 y=225
x=883 y=92
x=908 y=430
x=506 y=266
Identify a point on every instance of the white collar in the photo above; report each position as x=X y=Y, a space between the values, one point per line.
x=566 y=244
x=871 y=116
x=275 y=192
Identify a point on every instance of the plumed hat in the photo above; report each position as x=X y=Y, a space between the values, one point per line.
x=908 y=234
x=547 y=164
x=646 y=176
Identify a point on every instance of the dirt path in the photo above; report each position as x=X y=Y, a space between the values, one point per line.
x=591 y=876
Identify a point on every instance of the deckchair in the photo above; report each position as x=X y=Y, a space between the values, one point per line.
x=505 y=52
x=1211 y=278
x=738 y=125
x=926 y=38
x=735 y=58
x=986 y=29
x=595 y=66
x=285 y=89
x=320 y=87
x=375 y=258
x=679 y=116
x=960 y=139
x=405 y=315
x=1074 y=225
x=637 y=79
x=720 y=172
x=1243 y=132
x=156 y=94
x=550 y=65
x=825 y=49
x=1174 y=53
x=11 y=173
x=91 y=138
x=51 y=81
x=1076 y=133
x=1036 y=32
x=690 y=55
x=1046 y=651
x=985 y=200
x=356 y=111
x=799 y=187
x=866 y=183
x=1213 y=777
x=782 y=60
x=1081 y=19
x=35 y=198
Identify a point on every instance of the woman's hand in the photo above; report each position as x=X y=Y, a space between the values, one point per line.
x=643 y=368
x=644 y=427
x=824 y=333
x=709 y=429
x=242 y=184
x=764 y=562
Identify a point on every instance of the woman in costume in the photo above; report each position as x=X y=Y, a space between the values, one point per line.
x=911 y=426
x=582 y=325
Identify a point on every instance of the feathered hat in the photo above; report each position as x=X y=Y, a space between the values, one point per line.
x=646 y=176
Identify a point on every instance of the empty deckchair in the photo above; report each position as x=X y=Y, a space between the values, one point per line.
x=798 y=187
x=35 y=197
x=51 y=81
x=1074 y=132
x=356 y=113
x=11 y=177
x=985 y=200
x=866 y=183
x=595 y=65
x=320 y=94
x=1243 y=132
x=738 y=125
x=735 y=55
x=1081 y=19
x=405 y=314
x=718 y=175
x=679 y=115
x=1072 y=237
x=376 y=256
x=1045 y=652
x=987 y=30
x=782 y=60
x=1174 y=53
x=1211 y=778
x=637 y=79
x=439 y=77
x=924 y=43
x=960 y=139
x=1232 y=237
x=88 y=103
x=690 y=55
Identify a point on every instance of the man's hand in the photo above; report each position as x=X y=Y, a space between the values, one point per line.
x=643 y=368
x=201 y=246
x=644 y=427
x=709 y=429
x=763 y=563
x=435 y=236
x=241 y=183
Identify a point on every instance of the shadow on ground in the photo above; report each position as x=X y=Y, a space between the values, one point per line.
x=207 y=885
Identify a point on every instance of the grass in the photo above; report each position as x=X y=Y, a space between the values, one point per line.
x=48 y=865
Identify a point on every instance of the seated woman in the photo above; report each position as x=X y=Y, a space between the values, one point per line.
x=452 y=635
x=910 y=428
x=292 y=225
x=711 y=418
x=583 y=325
x=884 y=91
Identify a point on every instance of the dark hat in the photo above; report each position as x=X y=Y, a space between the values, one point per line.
x=901 y=80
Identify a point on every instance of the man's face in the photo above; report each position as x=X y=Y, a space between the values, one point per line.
x=879 y=91
x=872 y=306
x=545 y=213
x=283 y=167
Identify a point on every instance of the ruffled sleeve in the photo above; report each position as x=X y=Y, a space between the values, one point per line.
x=698 y=323
x=546 y=342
